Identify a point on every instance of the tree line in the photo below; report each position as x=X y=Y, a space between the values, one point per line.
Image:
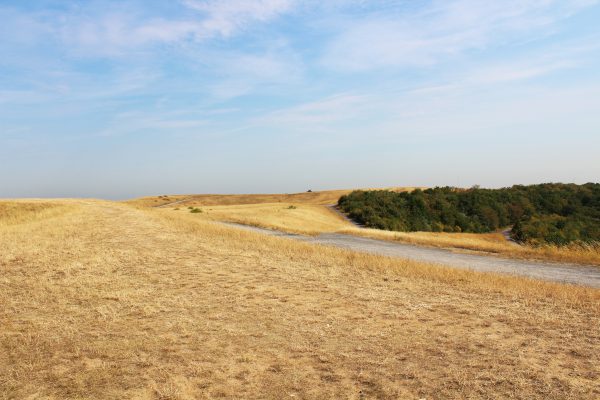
x=552 y=213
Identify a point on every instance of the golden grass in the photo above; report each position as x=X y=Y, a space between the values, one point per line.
x=155 y=201
x=202 y=200
x=309 y=219
x=109 y=301
x=14 y=212
x=313 y=218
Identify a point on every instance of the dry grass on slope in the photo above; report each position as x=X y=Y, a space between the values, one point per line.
x=155 y=201
x=308 y=219
x=203 y=200
x=14 y=212
x=109 y=301
x=312 y=220
x=315 y=219
x=367 y=263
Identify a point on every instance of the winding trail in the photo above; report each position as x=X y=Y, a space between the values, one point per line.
x=557 y=272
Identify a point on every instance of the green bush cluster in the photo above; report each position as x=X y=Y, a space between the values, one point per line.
x=546 y=213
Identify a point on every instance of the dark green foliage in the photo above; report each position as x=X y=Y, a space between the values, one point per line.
x=195 y=210
x=547 y=213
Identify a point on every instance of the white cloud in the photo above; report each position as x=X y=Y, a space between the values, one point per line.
x=515 y=72
x=226 y=17
x=241 y=73
x=441 y=30
x=121 y=31
x=319 y=114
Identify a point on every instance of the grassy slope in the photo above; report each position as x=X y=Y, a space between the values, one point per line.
x=199 y=200
x=108 y=301
x=308 y=219
x=14 y=212
x=313 y=219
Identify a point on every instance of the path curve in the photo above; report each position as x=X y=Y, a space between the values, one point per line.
x=334 y=208
x=557 y=272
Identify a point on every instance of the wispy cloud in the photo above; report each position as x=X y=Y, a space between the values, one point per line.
x=119 y=31
x=242 y=73
x=98 y=30
x=320 y=113
x=442 y=30
x=256 y=82
x=226 y=17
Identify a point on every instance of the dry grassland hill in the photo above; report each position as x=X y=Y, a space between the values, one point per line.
x=104 y=300
x=308 y=213
x=320 y=197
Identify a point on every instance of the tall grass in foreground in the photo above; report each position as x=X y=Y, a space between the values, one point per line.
x=364 y=263
x=13 y=212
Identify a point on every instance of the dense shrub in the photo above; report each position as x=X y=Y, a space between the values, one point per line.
x=547 y=213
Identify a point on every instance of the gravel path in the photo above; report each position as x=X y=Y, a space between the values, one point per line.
x=564 y=273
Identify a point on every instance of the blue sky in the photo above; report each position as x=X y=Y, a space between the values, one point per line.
x=116 y=99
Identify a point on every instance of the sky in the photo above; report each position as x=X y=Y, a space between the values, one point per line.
x=119 y=99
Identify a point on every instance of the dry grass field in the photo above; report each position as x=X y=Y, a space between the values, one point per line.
x=308 y=219
x=19 y=211
x=156 y=201
x=309 y=215
x=103 y=301
x=199 y=200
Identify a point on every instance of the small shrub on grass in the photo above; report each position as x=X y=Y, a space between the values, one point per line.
x=195 y=210
x=292 y=207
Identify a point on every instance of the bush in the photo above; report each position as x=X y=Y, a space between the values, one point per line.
x=195 y=210
x=546 y=213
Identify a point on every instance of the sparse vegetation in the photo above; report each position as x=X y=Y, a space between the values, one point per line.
x=195 y=210
x=292 y=207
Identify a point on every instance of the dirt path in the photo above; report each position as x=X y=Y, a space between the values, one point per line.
x=565 y=273
x=335 y=209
